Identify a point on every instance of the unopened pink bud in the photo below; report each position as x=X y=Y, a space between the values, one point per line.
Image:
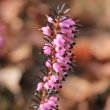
x=46 y=30
x=50 y=20
x=48 y=64
x=39 y=86
x=47 y=49
x=69 y=21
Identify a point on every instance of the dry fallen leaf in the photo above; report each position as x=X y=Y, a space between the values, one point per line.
x=100 y=47
x=76 y=90
x=10 y=78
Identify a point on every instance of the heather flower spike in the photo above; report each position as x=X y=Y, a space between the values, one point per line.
x=60 y=36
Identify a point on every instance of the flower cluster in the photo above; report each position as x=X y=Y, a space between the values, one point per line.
x=48 y=104
x=59 y=33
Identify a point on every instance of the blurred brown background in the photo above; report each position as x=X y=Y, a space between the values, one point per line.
x=88 y=88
